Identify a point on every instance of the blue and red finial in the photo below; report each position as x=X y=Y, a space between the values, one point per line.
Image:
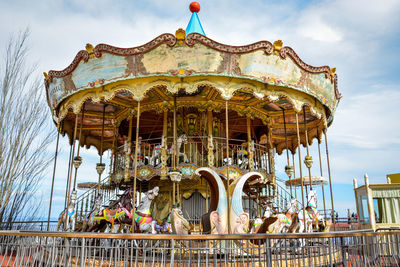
x=194 y=23
x=194 y=7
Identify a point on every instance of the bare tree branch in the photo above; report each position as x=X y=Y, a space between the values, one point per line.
x=24 y=134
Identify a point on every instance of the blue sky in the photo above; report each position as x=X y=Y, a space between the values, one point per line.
x=359 y=38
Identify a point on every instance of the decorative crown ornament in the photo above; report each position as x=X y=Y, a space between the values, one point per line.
x=308 y=161
x=100 y=168
x=77 y=161
x=289 y=170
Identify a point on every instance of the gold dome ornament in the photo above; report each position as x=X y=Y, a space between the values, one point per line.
x=77 y=161
x=289 y=171
x=308 y=161
x=100 y=167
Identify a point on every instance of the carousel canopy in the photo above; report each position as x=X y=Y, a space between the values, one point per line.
x=265 y=81
x=315 y=180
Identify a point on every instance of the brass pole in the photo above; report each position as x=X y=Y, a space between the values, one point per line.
x=67 y=185
x=175 y=145
x=128 y=152
x=174 y=162
x=73 y=153
x=301 y=172
x=54 y=175
x=294 y=175
x=135 y=166
x=330 y=179
x=287 y=150
x=210 y=148
x=249 y=145
x=227 y=161
x=101 y=146
x=308 y=151
x=206 y=195
x=164 y=171
x=320 y=168
x=79 y=141
x=113 y=152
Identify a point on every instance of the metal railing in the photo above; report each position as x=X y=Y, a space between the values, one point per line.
x=357 y=248
x=29 y=226
x=194 y=150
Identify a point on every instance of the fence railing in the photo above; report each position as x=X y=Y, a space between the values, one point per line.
x=194 y=150
x=357 y=248
x=29 y=226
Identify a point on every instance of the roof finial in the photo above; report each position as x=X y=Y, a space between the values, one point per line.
x=194 y=23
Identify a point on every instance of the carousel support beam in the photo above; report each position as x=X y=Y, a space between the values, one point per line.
x=294 y=175
x=288 y=168
x=301 y=171
x=70 y=167
x=78 y=160
x=54 y=175
x=308 y=160
x=250 y=147
x=210 y=153
x=164 y=145
x=330 y=178
x=175 y=163
x=113 y=152
x=67 y=185
x=227 y=160
x=320 y=168
x=135 y=166
x=100 y=166
x=128 y=148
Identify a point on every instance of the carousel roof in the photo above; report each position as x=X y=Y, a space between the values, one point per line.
x=260 y=80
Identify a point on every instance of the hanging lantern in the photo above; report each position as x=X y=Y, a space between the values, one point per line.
x=77 y=161
x=308 y=161
x=100 y=167
x=289 y=171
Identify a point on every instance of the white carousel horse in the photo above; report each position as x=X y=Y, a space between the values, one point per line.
x=182 y=139
x=142 y=215
x=317 y=218
x=88 y=221
x=67 y=217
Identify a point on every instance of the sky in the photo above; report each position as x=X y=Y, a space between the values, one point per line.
x=359 y=38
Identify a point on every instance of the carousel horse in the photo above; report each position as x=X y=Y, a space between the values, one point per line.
x=182 y=139
x=179 y=224
x=88 y=221
x=142 y=215
x=109 y=216
x=317 y=219
x=67 y=217
x=278 y=223
x=155 y=158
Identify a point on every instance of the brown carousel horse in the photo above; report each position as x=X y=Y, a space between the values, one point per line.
x=108 y=216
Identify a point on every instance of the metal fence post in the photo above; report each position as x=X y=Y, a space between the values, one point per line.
x=83 y=252
x=343 y=248
x=172 y=252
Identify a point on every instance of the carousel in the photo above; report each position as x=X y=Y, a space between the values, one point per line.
x=193 y=127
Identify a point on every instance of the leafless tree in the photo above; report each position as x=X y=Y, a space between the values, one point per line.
x=25 y=134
